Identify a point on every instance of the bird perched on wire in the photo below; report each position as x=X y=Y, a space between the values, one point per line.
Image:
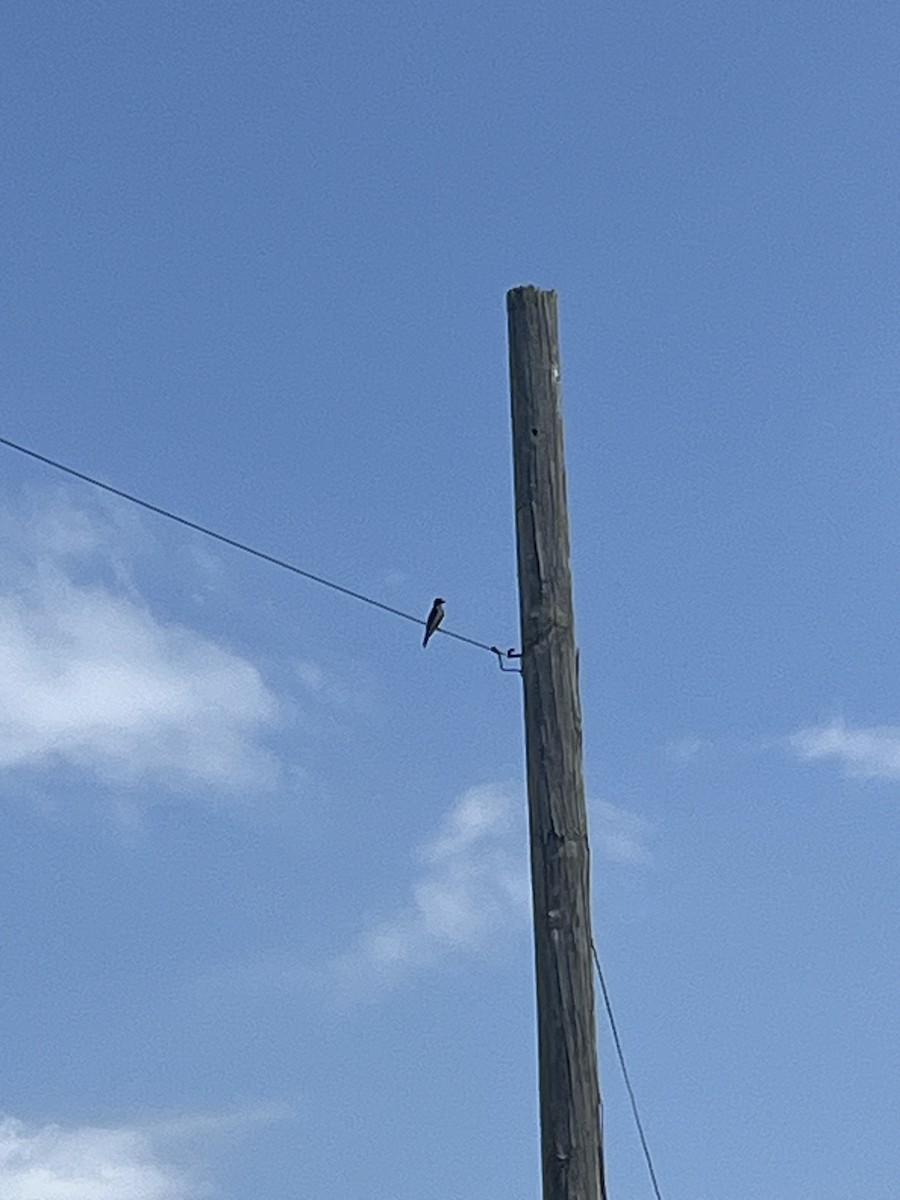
x=434 y=619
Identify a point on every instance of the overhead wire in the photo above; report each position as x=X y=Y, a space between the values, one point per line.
x=617 y=1041
x=388 y=608
x=247 y=549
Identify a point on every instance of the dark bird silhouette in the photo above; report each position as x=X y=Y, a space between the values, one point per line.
x=434 y=619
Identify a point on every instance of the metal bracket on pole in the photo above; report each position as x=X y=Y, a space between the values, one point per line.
x=511 y=653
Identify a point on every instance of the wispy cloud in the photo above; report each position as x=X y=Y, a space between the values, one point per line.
x=91 y=678
x=867 y=753
x=684 y=750
x=619 y=834
x=345 y=690
x=472 y=880
x=157 y=1160
x=472 y=883
x=88 y=1163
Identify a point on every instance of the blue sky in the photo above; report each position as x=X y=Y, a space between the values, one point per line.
x=263 y=885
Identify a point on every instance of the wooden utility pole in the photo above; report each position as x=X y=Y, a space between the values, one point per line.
x=571 y=1122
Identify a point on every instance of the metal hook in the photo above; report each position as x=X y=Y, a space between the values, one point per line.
x=511 y=653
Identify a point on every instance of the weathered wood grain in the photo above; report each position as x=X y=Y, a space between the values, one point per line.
x=571 y=1124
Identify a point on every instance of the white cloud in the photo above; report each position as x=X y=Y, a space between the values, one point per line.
x=139 y=1162
x=686 y=749
x=618 y=834
x=473 y=882
x=342 y=690
x=89 y=1163
x=867 y=753
x=91 y=678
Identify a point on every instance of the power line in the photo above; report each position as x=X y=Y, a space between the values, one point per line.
x=607 y=1003
x=228 y=541
x=354 y=595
